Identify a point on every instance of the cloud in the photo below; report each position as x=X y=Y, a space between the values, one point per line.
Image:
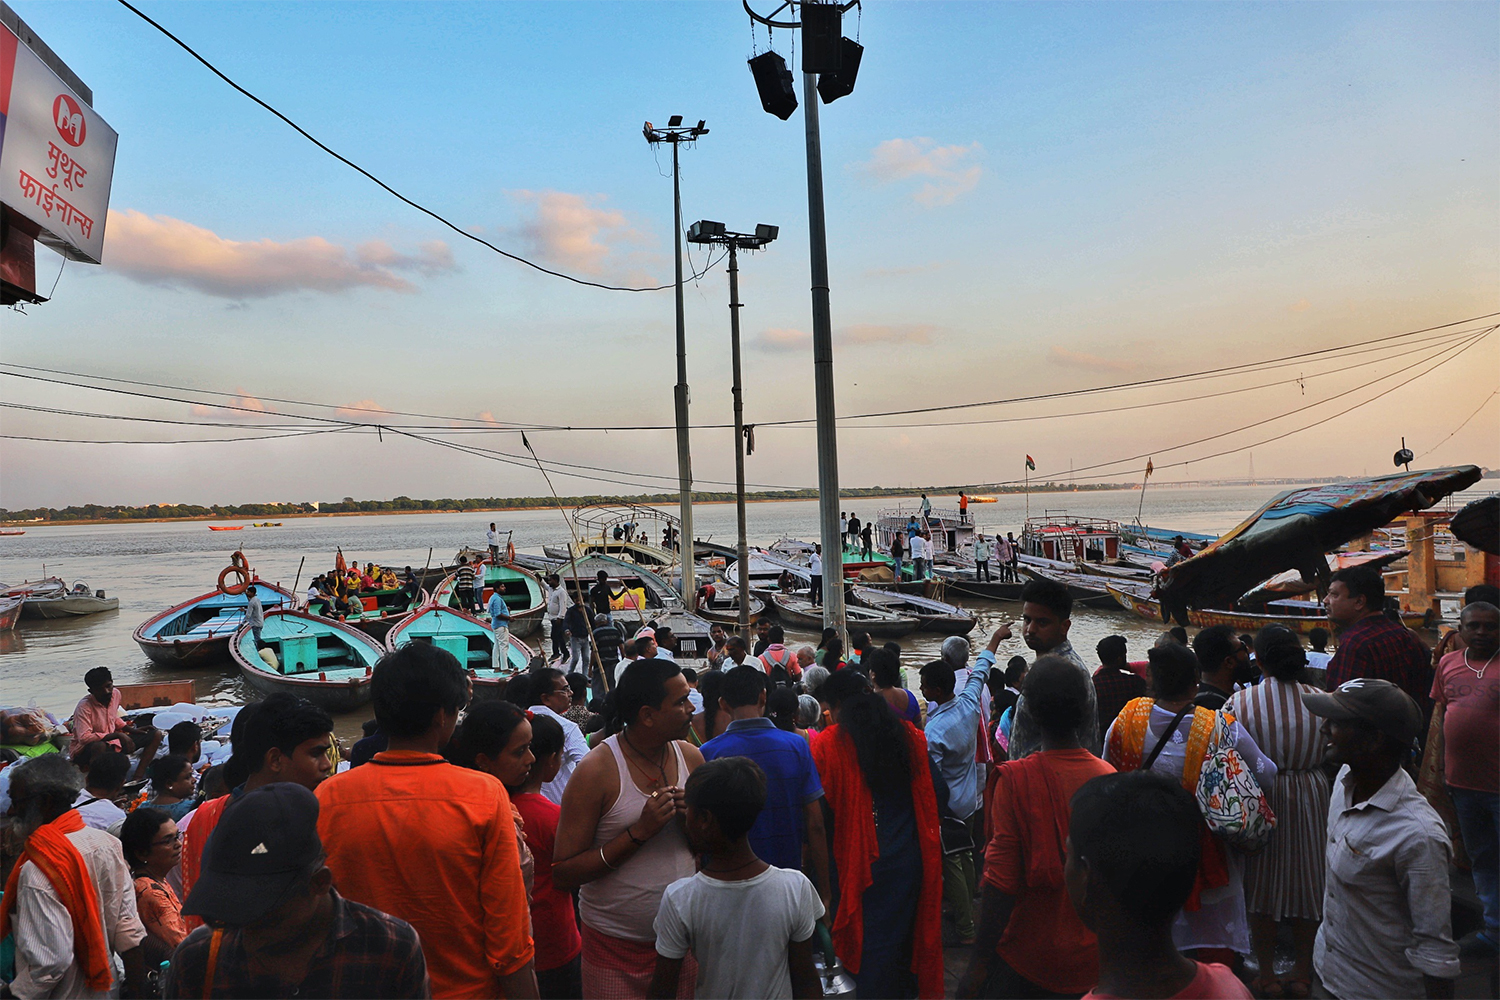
x=894 y=333
x=1301 y=305
x=947 y=171
x=577 y=233
x=785 y=340
x=362 y=410
x=781 y=340
x=243 y=400
x=161 y=250
x=1092 y=362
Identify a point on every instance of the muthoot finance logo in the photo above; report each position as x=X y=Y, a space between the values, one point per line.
x=68 y=117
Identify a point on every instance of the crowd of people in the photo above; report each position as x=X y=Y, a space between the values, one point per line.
x=1126 y=829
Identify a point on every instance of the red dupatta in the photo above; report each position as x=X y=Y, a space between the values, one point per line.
x=855 y=848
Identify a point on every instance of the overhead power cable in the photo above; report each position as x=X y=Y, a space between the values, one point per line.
x=1482 y=405
x=1358 y=347
x=382 y=184
x=1452 y=353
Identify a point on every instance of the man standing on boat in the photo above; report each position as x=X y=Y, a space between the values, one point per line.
x=963 y=508
x=981 y=559
x=255 y=614
x=463 y=587
x=500 y=622
x=1015 y=552
x=492 y=539
x=926 y=508
x=815 y=567
x=557 y=608
x=867 y=539
x=599 y=596
x=854 y=531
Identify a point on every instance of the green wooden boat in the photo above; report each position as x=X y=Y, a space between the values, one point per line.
x=470 y=640
x=325 y=661
x=519 y=587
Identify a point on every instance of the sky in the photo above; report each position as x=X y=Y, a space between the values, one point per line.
x=1022 y=199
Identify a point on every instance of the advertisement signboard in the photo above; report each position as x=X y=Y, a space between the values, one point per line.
x=57 y=156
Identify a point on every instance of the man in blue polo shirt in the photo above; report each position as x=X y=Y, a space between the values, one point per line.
x=793 y=791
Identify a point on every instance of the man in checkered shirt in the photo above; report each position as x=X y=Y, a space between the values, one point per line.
x=1370 y=644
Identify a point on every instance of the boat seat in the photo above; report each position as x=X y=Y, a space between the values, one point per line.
x=458 y=645
x=299 y=654
x=330 y=652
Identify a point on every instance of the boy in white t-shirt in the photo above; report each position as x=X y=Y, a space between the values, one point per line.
x=749 y=926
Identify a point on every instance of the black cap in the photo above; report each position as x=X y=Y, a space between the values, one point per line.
x=266 y=841
x=1380 y=703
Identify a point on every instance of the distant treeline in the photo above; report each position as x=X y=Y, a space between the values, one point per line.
x=943 y=496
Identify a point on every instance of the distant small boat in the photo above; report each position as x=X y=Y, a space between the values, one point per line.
x=197 y=632
x=226 y=527
x=12 y=531
x=471 y=642
x=803 y=614
x=325 y=661
x=10 y=610
x=931 y=615
x=63 y=603
x=266 y=524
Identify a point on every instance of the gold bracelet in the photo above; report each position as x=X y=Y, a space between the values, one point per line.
x=611 y=867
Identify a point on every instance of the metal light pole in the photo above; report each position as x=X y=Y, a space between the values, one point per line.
x=713 y=232
x=676 y=133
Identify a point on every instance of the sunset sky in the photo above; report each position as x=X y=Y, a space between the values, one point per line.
x=1022 y=199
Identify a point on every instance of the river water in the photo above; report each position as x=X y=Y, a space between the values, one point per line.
x=151 y=567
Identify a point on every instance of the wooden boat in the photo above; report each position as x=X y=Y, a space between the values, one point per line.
x=1088 y=590
x=1299 y=616
x=26 y=588
x=381 y=610
x=10 y=611
x=471 y=642
x=12 y=531
x=266 y=524
x=931 y=615
x=963 y=581
x=226 y=527
x=60 y=602
x=724 y=606
x=325 y=661
x=196 y=633
x=765 y=572
x=801 y=613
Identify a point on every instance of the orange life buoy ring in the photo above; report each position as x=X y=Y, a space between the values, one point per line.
x=240 y=569
x=510 y=552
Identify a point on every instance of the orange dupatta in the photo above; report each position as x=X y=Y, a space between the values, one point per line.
x=1127 y=745
x=205 y=818
x=55 y=856
x=855 y=845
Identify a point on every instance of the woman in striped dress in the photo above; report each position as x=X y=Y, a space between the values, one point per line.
x=1284 y=881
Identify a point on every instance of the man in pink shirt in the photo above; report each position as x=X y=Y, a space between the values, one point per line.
x=97 y=716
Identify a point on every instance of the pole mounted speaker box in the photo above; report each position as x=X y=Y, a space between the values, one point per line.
x=774 y=82
x=821 y=25
x=840 y=83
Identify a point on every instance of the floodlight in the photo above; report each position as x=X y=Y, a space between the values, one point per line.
x=674 y=121
x=703 y=230
x=766 y=233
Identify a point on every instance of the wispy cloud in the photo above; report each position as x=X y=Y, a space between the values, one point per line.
x=1091 y=362
x=883 y=333
x=365 y=409
x=787 y=339
x=781 y=340
x=1301 y=305
x=947 y=172
x=242 y=402
x=161 y=250
x=578 y=233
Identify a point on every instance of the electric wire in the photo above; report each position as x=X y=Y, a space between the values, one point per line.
x=1492 y=395
x=492 y=424
x=382 y=184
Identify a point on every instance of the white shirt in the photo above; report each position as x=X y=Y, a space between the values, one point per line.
x=492 y=538
x=815 y=564
x=101 y=815
x=1317 y=661
x=575 y=746
x=557 y=600
x=1387 y=903
x=45 y=963
x=738 y=931
x=843 y=526
x=620 y=667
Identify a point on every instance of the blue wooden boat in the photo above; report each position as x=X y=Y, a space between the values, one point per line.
x=519 y=589
x=196 y=633
x=471 y=642
x=320 y=659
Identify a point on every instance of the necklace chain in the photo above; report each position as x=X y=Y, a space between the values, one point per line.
x=1478 y=671
x=659 y=763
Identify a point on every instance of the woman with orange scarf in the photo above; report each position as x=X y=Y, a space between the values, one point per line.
x=876 y=778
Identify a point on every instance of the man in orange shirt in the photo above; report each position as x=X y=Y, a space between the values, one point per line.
x=1030 y=941
x=431 y=843
x=284 y=738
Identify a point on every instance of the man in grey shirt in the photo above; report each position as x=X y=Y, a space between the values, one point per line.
x=255 y=615
x=1046 y=612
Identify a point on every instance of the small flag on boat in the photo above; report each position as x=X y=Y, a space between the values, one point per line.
x=1149 y=468
x=1030 y=463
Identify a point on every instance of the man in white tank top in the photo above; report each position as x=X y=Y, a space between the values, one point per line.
x=620 y=838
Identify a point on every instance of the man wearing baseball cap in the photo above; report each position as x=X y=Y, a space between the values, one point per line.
x=277 y=927
x=1387 y=928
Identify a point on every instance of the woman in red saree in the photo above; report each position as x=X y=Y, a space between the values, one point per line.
x=887 y=928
